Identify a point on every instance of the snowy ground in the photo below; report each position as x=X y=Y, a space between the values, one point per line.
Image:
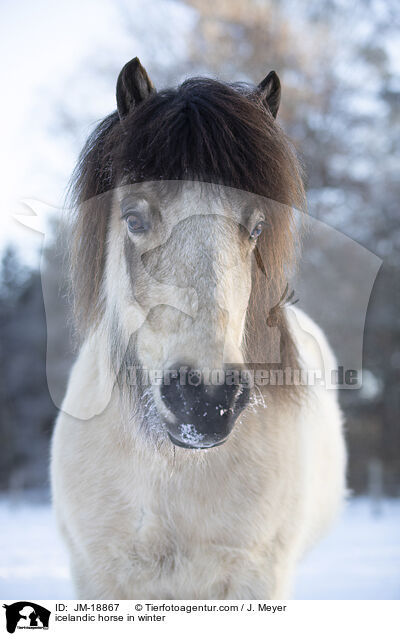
x=360 y=559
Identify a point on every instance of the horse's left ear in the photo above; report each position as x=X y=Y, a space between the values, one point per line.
x=133 y=86
x=270 y=91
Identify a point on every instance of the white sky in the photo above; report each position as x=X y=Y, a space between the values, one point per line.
x=44 y=44
x=39 y=40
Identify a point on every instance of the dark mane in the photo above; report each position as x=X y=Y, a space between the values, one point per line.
x=203 y=130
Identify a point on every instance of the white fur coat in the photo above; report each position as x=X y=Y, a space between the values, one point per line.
x=229 y=522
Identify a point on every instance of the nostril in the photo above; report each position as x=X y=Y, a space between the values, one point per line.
x=172 y=385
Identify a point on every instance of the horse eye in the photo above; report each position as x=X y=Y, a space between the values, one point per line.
x=136 y=224
x=257 y=230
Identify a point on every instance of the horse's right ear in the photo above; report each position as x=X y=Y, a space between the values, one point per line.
x=133 y=86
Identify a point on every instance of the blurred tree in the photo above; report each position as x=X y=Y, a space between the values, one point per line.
x=26 y=411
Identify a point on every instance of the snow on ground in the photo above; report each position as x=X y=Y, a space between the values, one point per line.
x=359 y=559
x=33 y=561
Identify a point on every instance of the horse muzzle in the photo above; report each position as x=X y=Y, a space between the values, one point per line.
x=203 y=415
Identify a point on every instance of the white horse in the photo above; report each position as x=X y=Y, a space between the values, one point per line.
x=204 y=483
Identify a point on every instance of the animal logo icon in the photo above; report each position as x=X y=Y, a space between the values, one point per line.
x=25 y=614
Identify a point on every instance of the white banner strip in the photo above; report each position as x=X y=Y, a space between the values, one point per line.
x=177 y=617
